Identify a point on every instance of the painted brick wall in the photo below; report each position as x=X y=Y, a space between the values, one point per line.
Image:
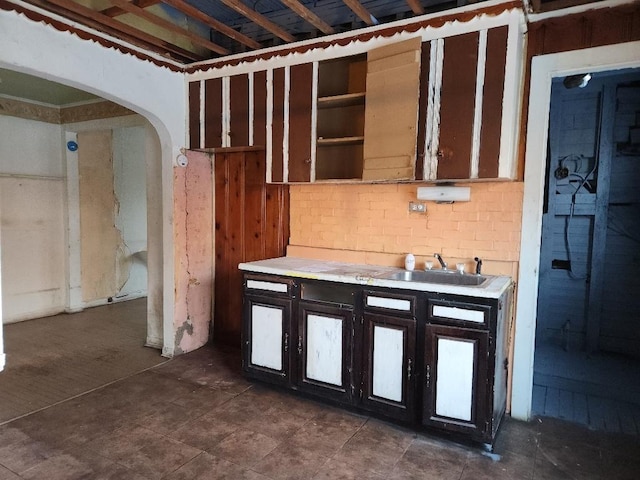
x=371 y=224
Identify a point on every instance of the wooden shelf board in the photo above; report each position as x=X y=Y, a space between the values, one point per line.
x=337 y=101
x=328 y=142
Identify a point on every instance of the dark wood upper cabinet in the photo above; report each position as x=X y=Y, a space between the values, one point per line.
x=438 y=110
x=194 y=115
x=300 y=108
x=457 y=106
x=213 y=113
x=239 y=111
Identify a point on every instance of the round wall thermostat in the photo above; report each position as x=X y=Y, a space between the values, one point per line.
x=72 y=146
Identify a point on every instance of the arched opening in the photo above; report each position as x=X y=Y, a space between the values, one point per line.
x=153 y=92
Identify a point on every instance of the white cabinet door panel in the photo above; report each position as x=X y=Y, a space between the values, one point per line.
x=388 y=352
x=454 y=385
x=324 y=349
x=266 y=337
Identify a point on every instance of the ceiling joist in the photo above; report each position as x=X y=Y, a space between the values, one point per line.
x=260 y=19
x=309 y=16
x=416 y=6
x=211 y=22
x=116 y=11
x=167 y=25
x=361 y=12
x=103 y=23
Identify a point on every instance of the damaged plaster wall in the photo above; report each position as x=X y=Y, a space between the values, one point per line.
x=32 y=204
x=112 y=200
x=193 y=246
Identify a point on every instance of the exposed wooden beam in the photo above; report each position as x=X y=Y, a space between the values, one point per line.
x=100 y=22
x=309 y=16
x=258 y=18
x=169 y=26
x=361 y=12
x=116 y=11
x=416 y=6
x=193 y=12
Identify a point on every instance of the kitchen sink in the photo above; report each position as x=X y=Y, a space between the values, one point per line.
x=448 y=277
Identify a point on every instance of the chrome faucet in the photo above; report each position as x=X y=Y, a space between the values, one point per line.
x=443 y=264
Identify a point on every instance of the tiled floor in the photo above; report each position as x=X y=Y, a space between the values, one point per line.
x=52 y=359
x=601 y=391
x=195 y=417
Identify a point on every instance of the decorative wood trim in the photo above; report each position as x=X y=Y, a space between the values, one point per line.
x=84 y=34
x=93 y=111
x=431 y=21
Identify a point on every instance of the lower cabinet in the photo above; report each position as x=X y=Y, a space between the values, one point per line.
x=424 y=359
x=266 y=328
x=324 y=350
x=455 y=380
x=388 y=370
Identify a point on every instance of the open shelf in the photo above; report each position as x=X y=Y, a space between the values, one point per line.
x=340 y=141
x=339 y=101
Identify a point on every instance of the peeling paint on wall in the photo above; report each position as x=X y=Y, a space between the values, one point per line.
x=193 y=243
x=100 y=239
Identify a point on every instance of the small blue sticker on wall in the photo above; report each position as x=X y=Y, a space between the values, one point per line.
x=72 y=146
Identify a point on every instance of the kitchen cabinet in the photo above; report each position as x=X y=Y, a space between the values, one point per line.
x=324 y=348
x=326 y=340
x=465 y=358
x=429 y=360
x=464 y=83
x=267 y=333
x=389 y=354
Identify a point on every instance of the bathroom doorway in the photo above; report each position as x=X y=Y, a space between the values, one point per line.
x=587 y=352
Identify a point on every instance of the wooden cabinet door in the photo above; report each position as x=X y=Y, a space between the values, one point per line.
x=388 y=379
x=391 y=111
x=300 y=108
x=252 y=223
x=266 y=338
x=324 y=350
x=455 y=380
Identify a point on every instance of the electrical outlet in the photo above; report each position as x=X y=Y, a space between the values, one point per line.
x=418 y=207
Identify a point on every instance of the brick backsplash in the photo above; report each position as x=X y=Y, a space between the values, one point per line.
x=372 y=224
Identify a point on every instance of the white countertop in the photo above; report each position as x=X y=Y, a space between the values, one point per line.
x=370 y=275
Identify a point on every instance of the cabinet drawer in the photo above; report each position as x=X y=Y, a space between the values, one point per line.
x=398 y=304
x=452 y=312
x=273 y=286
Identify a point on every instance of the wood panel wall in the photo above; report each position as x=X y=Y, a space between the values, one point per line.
x=251 y=223
x=593 y=28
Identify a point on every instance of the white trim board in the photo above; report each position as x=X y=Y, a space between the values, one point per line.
x=543 y=69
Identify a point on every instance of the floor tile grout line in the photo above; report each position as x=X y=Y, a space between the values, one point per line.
x=83 y=393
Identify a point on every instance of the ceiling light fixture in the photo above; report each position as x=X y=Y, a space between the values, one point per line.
x=577 y=81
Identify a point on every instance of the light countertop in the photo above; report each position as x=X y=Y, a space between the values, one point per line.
x=369 y=275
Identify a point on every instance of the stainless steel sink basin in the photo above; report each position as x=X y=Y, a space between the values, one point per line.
x=448 y=277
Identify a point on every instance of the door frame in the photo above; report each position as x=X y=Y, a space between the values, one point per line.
x=543 y=69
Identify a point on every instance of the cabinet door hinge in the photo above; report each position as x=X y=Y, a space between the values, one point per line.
x=286 y=342
x=409 y=370
x=300 y=345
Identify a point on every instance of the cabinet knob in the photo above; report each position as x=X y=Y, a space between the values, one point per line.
x=307 y=160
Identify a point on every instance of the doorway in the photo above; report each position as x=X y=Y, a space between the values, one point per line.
x=587 y=350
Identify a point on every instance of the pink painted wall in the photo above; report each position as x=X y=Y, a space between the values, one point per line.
x=193 y=249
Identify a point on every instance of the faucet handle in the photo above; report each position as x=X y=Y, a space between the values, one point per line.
x=478 y=265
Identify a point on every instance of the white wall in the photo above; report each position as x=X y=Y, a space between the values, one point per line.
x=129 y=174
x=32 y=203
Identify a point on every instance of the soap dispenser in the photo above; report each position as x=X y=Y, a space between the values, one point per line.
x=409 y=262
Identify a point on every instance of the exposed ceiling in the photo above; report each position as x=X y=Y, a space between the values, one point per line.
x=193 y=30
